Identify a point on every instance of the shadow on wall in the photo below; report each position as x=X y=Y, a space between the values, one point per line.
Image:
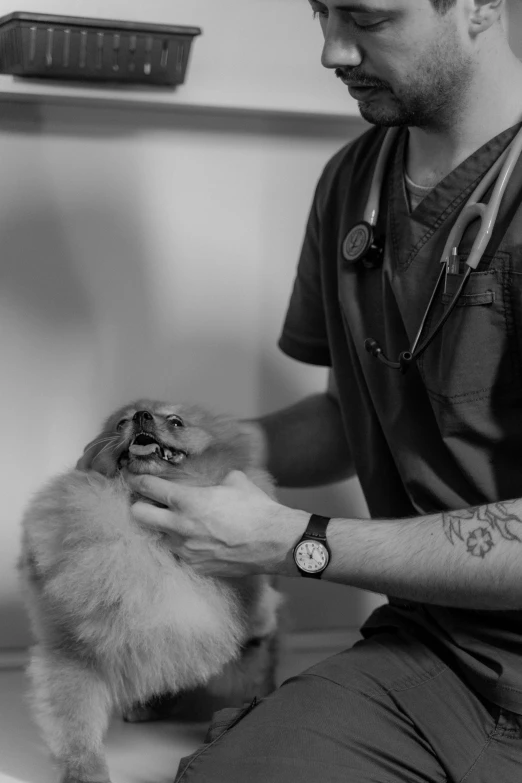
x=68 y=283
x=135 y=120
x=36 y=271
x=41 y=278
x=56 y=290
x=515 y=26
x=87 y=330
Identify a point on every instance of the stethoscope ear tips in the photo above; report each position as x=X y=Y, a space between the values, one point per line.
x=405 y=359
x=373 y=347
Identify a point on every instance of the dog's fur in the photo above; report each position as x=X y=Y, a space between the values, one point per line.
x=119 y=620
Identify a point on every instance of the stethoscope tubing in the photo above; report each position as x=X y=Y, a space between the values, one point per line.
x=487 y=214
x=502 y=169
x=371 y=212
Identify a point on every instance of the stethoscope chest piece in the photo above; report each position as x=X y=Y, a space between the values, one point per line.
x=357 y=242
x=359 y=245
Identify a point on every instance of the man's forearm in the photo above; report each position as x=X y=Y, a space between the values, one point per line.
x=469 y=558
x=305 y=444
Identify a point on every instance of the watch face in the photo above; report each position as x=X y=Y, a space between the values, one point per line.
x=311 y=556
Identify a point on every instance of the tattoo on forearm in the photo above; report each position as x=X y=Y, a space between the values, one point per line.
x=482 y=527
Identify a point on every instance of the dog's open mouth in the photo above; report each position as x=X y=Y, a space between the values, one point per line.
x=144 y=446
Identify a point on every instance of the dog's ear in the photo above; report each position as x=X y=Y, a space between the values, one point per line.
x=100 y=455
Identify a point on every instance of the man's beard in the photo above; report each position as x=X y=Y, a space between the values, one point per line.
x=428 y=101
x=411 y=109
x=431 y=109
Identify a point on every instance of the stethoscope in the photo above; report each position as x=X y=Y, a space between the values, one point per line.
x=360 y=244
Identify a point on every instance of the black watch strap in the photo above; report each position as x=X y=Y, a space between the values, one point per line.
x=317 y=527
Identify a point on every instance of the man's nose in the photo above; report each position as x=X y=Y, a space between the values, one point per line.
x=340 y=49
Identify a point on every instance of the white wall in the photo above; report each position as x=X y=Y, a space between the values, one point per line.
x=147 y=253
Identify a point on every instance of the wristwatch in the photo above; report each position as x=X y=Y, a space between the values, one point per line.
x=312 y=553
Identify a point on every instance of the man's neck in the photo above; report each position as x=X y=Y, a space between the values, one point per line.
x=494 y=104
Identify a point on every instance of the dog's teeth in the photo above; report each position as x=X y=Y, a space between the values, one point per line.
x=173 y=456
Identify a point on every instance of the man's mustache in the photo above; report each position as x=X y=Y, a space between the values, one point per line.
x=361 y=80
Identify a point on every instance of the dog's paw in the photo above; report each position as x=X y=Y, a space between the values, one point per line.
x=157 y=708
x=140 y=713
x=94 y=770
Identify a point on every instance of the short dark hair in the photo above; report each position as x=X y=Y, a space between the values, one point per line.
x=442 y=6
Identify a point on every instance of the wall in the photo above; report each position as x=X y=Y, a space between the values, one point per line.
x=148 y=253
x=255 y=54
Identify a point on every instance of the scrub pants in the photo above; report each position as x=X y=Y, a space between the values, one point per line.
x=389 y=709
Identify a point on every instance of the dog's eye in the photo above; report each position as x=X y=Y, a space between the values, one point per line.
x=121 y=424
x=176 y=421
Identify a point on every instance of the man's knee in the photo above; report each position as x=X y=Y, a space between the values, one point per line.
x=291 y=735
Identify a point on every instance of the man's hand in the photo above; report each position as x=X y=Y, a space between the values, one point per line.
x=231 y=530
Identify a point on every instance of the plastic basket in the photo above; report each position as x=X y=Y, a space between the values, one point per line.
x=70 y=47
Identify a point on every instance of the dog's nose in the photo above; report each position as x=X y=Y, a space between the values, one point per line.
x=140 y=417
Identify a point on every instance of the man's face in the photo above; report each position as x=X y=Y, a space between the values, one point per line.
x=403 y=62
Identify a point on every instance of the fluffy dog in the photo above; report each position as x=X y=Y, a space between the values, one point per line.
x=119 y=620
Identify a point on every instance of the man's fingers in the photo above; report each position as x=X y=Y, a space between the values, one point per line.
x=165 y=492
x=240 y=481
x=236 y=479
x=161 y=519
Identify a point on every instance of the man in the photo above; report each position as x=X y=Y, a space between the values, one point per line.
x=434 y=691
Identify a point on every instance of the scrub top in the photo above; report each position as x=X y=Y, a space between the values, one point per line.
x=448 y=434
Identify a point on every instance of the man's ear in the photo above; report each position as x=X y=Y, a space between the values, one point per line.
x=485 y=13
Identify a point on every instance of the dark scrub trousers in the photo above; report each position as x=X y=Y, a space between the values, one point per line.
x=432 y=693
x=388 y=711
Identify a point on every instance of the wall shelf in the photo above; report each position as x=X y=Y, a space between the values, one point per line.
x=17 y=90
x=253 y=56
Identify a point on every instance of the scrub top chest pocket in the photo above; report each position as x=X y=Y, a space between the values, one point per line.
x=476 y=354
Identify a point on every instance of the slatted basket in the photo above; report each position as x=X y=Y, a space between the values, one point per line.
x=69 y=47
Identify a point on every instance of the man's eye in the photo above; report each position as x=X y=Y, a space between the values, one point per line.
x=368 y=26
x=359 y=25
